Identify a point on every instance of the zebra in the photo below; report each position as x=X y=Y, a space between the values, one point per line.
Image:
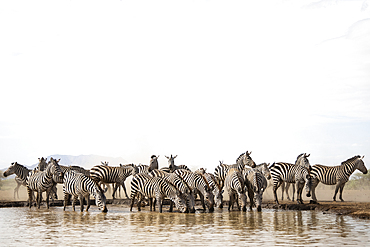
x=215 y=187
x=245 y=160
x=81 y=187
x=234 y=184
x=21 y=173
x=222 y=169
x=172 y=166
x=338 y=175
x=143 y=185
x=180 y=184
x=200 y=186
x=111 y=174
x=291 y=173
x=256 y=183
x=303 y=161
x=153 y=163
x=41 y=181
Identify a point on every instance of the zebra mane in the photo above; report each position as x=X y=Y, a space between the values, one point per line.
x=240 y=156
x=16 y=163
x=350 y=159
x=205 y=179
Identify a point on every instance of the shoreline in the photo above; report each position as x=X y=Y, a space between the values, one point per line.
x=359 y=210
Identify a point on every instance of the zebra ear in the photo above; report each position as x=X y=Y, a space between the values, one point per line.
x=307 y=155
x=167 y=157
x=363 y=157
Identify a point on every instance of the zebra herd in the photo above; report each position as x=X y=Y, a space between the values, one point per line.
x=180 y=185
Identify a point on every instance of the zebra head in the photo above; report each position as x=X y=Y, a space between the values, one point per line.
x=42 y=164
x=245 y=159
x=11 y=169
x=180 y=202
x=100 y=199
x=171 y=162
x=54 y=168
x=360 y=165
x=265 y=170
x=303 y=161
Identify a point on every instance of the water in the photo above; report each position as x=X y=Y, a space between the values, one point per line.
x=54 y=227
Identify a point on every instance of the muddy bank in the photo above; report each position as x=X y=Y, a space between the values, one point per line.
x=355 y=209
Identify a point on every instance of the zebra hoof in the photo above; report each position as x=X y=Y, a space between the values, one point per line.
x=313 y=202
x=259 y=209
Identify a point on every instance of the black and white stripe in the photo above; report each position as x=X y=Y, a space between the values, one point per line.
x=200 y=186
x=180 y=184
x=111 y=174
x=143 y=185
x=222 y=170
x=256 y=183
x=81 y=187
x=338 y=175
x=234 y=185
x=291 y=173
x=245 y=160
x=215 y=187
x=41 y=181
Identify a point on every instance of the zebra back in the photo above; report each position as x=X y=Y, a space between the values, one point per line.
x=112 y=174
x=142 y=168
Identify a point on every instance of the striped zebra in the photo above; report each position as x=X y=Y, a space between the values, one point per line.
x=256 y=184
x=41 y=181
x=215 y=187
x=172 y=166
x=180 y=184
x=143 y=185
x=111 y=174
x=337 y=175
x=153 y=164
x=198 y=183
x=245 y=160
x=21 y=173
x=222 y=169
x=81 y=187
x=291 y=173
x=234 y=184
x=303 y=161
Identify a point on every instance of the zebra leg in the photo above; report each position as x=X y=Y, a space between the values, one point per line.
x=315 y=182
x=171 y=206
x=336 y=191
x=39 y=194
x=81 y=203
x=274 y=189
x=283 y=190
x=159 y=200
x=124 y=189
x=87 y=199
x=65 y=201
x=74 y=199
x=341 y=192
x=132 y=202
x=287 y=186
x=30 y=197
x=299 y=192
x=48 y=191
x=231 y=202
x=202 y=201
x=16 y=190
x=251 y=198
x=294 y=192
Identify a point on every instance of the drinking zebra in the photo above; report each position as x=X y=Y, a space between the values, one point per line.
x=180 y=184
x=41 y=181
x=215 y=187
x=234 y=184
x=111 y=174
x=222 y=169
x=143 y=185
x=245 y=160
x=172 y=166
x=256 y=183
x=200 y=186
x=291 y=173
x=81 y=187
x=338 y=175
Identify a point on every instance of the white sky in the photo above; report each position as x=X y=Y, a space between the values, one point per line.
x=206 y=80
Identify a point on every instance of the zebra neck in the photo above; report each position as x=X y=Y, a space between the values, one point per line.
x=349 y=169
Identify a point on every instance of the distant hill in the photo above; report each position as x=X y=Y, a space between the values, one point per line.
x=86 y=161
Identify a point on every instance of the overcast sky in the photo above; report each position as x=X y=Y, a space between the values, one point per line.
x=204 y=80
